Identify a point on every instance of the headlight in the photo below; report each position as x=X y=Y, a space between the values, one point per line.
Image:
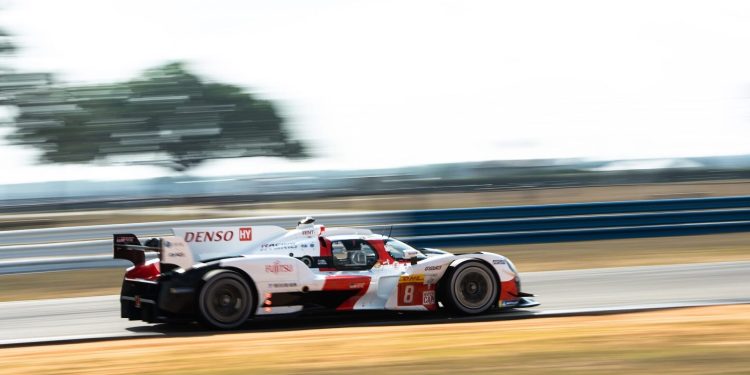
x=511 y=266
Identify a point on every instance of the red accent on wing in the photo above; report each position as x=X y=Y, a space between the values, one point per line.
x=383 y=255
x=325 y=252
x=379 y=247
x=148 y=271
x=508 y=290
x=325 y=247
x=348 y=282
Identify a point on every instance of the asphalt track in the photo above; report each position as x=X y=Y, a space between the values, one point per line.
x=573 y=292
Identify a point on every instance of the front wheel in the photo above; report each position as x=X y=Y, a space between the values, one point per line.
x=470 y=288
x=225 y=301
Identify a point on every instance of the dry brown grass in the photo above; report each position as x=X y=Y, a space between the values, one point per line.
x=519 y=197
x=626 y=252
x=63 y=284
x=684 y=341
x=381 y=202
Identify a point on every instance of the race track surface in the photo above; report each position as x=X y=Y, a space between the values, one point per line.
x=560 y=292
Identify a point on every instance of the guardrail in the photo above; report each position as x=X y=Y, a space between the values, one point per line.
x=39 y=250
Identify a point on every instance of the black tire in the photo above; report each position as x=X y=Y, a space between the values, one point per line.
x=308 y=261
x=470 y=288
x=225 y=301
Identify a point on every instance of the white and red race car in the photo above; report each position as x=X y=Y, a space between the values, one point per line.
x=226 y=276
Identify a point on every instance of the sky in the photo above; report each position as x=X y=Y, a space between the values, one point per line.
x=386 y=83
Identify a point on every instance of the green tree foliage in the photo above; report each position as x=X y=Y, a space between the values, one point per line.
x=168 y=116
x=6 y=45
x=11 y=83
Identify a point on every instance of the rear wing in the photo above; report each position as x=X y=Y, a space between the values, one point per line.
x=194 y=243
x=128 y=247
x=172 y=250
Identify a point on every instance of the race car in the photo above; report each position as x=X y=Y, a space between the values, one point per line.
x=225 y=276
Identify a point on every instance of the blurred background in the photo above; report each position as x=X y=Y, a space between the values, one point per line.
x=141 y=104
x=118 y=112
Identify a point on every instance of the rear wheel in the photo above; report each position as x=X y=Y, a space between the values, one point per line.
x=225 y=301
x=470 y=288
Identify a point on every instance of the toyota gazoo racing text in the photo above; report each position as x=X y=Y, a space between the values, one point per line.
x=226 y=276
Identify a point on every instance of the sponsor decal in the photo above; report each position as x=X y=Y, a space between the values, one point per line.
x=428 y=297
x=278 y=267
x=246 y=234
x=282 y=285
x=137 y=301
x=179 y=254
x=216 y=236
x=356 y=285
x=386 y=262
x=167 y=244
x=416 y=278
x=433 y=268
x=498 y=261
x=308 y=232
x=322 y=262
x=415 y=294
x=124 y=239
x=279 y=246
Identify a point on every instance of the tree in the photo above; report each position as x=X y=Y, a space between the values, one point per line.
x=11 y=83
x=6 y=46
x=168 y=116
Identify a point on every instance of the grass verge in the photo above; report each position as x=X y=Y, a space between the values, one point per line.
x=625 y=252
x=503 y=197
x=62 y=284
x=680 y=341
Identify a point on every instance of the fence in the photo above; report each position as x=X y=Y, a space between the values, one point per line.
x=38 y=250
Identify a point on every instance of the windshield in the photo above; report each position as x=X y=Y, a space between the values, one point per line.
x=396 y=249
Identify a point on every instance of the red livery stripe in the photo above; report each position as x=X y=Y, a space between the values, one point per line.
x=348 y=282
x=148 y=271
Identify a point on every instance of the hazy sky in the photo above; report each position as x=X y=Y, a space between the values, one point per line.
x=387 y=83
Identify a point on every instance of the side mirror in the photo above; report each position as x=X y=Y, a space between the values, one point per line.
x=411 y=255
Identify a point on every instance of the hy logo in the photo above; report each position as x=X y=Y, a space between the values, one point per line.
x=246 y=234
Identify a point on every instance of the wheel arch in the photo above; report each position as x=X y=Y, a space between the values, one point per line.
x=253 y=287
x=250 y=282
x=456 y=262
x=451 y=268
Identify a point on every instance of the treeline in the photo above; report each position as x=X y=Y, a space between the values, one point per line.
x=168 y=116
